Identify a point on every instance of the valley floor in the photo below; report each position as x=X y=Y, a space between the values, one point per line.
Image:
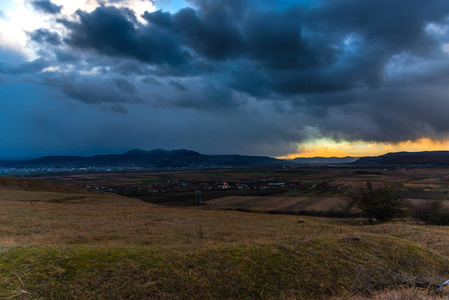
x=59 y=242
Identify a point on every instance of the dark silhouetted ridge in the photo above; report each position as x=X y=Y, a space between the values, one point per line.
x=157 y=158
x=407 y=158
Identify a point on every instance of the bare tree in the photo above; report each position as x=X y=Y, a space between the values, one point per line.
x=432 y=212
x=381 y=203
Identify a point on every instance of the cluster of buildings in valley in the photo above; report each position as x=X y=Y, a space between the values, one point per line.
x=150 y=187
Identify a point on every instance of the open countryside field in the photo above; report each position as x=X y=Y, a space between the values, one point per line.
x=224 y=149
x=304 y=190
x=66 y=241
x=285 y=204
x=343 y=177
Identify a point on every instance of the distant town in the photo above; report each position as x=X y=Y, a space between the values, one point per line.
x=46 y=170
x=148 y=187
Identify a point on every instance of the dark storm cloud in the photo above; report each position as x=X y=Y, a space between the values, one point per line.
x=378 y=35
x=279 y=43
x=91 y=90
x=392 y=113
x=151 y=80
x=178 y=85
x=299 y=49
x=65 y=57
x=213 y=35
x=401 y=28
x=212 y=30
x=125 y=85
x=159 y=18
x=27 y=67
x=128 y=67
x=114 y=32
x=46 y=6
x=202 y=98
x=45 y=36
x=346 y=69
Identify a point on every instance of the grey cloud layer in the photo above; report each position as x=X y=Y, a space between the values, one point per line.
x=112 y=31
x=349 y=69
x=300 y=49
x=46 y=6
x=44 y=36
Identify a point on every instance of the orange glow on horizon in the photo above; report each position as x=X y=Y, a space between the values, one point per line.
x=330 y=148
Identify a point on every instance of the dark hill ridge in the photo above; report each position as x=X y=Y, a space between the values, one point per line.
x=407 y=158
x=324 y=160
x=157 y=158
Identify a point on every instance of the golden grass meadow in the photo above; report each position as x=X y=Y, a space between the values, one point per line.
x=60 y=241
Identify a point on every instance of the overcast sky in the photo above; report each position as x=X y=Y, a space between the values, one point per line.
x=266 y=77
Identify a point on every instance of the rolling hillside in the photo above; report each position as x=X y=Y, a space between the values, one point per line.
x=96 y=245
x=157 y=158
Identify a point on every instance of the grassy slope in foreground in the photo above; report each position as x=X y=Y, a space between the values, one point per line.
x=77 y=244
x=320 y=267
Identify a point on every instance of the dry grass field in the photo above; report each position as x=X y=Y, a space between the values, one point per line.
x=416 y=186
x=60 y=241
x=290 y=205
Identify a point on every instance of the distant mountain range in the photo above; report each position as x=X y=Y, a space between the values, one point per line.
x=324 y=160
x=160 y=159
x=157 y=158
x=407 y=158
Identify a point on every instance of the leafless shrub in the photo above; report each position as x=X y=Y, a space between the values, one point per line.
x=381 y=203
x=432 y=212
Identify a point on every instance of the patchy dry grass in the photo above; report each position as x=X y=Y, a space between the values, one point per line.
x=280 y=204
x=403 y=294
x=432 y=237
x=308 y=270
x=90 y=245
